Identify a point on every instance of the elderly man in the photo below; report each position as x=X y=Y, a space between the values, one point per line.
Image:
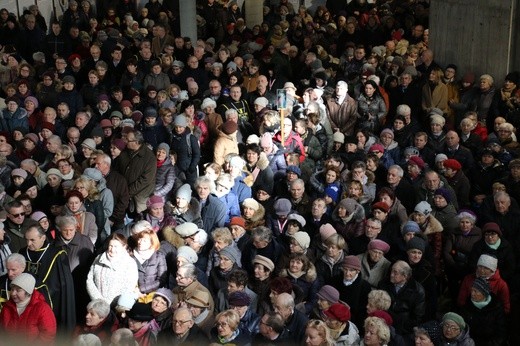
x=137 y=163
x=301 y=203
x=505 y=214
x=432 y=182
x=359 y=244
x=187 y=285
x=15 y=265
x=342 y=109
x=455 y=151
x=240 y=301
x=294 y=320
x=402 y=188
x=183 y=331
x=50 y=267
x=408 y=298
x=271 y=328
x=213 y=211
x=33 y=168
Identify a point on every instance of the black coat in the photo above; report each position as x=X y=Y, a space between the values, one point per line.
x=505 y=254
x=355 y=295
x=487 y=325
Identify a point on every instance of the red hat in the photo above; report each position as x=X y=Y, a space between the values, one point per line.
x=126 y=103
x=338 y=311
x=238 y=221
x=381 y=206
x=376 y=147
x=352 y=262
x=378 y=244
x=453 y=164
x=73 y=57
x=416 y=160
x=105 y=123
x=385 y=316
x=48 y=126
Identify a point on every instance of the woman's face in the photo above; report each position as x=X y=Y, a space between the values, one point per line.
x=484 y=85
x=414 y=256
x=161 y=155
x=386 y=139
x=260 y=272
x=144 y=243
x=53 y=180
x=354 y=190
x=114 y=151
x=423 y=340
x=157 y=212
x=115 y=248
x=398 y=124
x=371 y=338
x=86 y=151
x=439 y=201
x=225 y=263
x=32 y=192
x=369 y=90
x=465 y=225
x=223 y=328
x=248 y=213
x=435 y=128
x=237 y=231
x=159 y=304
x=92 y=319
x=331 y=176
x=44 y=223
x=491 y=238
x=295 y=266
x=313 y=337
x=294 y=247
x=450 y=330
x=292 y=227
x=74 y=204
x=477 y=296
x=81 y=188
x=333 y=251
x=342 y=212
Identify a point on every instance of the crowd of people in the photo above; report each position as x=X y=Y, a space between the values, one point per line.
x=318 y=179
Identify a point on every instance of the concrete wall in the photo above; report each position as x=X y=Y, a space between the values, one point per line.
x=478 y=35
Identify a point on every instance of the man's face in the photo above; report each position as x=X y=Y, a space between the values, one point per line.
x=318 y=208
x=405 y=80
x=101 y=165
x=396 y=277
x=341 y=90
x=372 y=229
x=14 y=269
x=502 y=204
x=235 y=93
x=17 y=215
x=297 y=191
x=420 y=142
x=261 y=83
x=131 y=142
x=393 y=177
x=452 y=139
x=283 y=311
x=432 y=181
x=34 y=239
x=203 y=191
x=181 y=322
x=215 y=88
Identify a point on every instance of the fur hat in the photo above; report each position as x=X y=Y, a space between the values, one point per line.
x=239 y=298
x=437 y=119
x=89 y=143
x=453 y=164
x=416 y=160
x=229 y=127
x=261 y=101
x=251 y=203
x=208 y=102
x=141 y=312
x=338 y=137
x=237 y=162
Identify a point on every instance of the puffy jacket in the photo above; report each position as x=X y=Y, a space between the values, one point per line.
x=36 y=324
x=496 y=284
x=152 y=273
x=165 y=178
x=10 y=121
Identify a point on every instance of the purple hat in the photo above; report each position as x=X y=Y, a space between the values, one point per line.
x=239 y=298
x=155 y=202
x=378 y=244
x=329 y=294
x=103 y=97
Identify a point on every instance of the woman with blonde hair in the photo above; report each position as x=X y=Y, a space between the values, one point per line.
x=377 y=333
x=435 y=93
x=318 y=334
x=227 y=331
x=91 y=200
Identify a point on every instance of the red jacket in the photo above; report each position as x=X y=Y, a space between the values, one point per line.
x=497 y=285
x=36 y=324
x=293 y=144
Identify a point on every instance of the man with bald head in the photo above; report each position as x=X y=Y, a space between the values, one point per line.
x=456 y=151
x=183 y=330
x=294 y=320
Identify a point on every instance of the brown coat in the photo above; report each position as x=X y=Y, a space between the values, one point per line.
x=225 y=144
x=436 y=99
x=182 y=294
x=344 y=116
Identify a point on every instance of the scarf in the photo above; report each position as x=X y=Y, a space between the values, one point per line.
x=482 y=304
x=335 y=333
x=21 y=306
x=160 y=163
x=296 y=275
x=143 y=255
x=350 y=282
x=496 y=245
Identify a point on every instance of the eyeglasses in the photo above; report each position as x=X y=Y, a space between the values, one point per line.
x=180 y=323
x=17 y=215
x=450 y=327
x=221 y=324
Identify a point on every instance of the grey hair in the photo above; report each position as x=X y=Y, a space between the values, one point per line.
x=55 y=139
x=372 y=219
x=298 y=181
x=206 y=181
x=400 y=171
x=106 y=159
x=501 y=194
x=190 y=269
x=403 y=109
x=230 y=111
x=29 y=162
x=100 y=307
x=17 y=258
x=201 y=237
x=404 y=268
x=64 y=221
x=263 y=233
x=87 y=339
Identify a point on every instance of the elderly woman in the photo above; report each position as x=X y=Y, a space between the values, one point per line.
x=113 y=271
x=156 y=215
x=26 y=314
x=374 y=265
x=229 y=260
x=331 y=262
x=318 y=334
x=165 y=177
x=378 y=300
x=343 y=331
x=377 y=333
x=326 y=297
x=51 y=189
x=161 y=309
x=302 y=273
x=431 y=229
x=86 y=221
x=223 y=185
x=100 y=321
x=253 y=214
x=226 y=330
x=455 y=330
x=237 y=226
x=428 y=334
x=485 y=315
x=348 y=218
x=185 y=207
x=261 y=279
x=457 y=248
x=222 y=238
x=444 y=209
x=506 y=137
x=151 y=263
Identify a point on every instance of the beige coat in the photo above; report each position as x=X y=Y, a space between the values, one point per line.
x=225 y=144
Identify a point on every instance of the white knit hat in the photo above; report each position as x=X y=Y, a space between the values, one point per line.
x=25 y=281
x=488 y=261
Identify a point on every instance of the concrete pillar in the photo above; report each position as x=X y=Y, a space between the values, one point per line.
x=482 y=36
x=188 y=19
x=254 y=12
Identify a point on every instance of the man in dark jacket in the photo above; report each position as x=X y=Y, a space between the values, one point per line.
x=213 y=211
x=137 y=164
x=16 y=225
x=184 y=331
x=295 y=320
x=408 y=299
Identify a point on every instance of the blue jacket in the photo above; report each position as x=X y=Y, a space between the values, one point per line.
x=241 y=189
x=10 y=121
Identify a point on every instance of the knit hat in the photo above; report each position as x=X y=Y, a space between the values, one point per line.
x=451 y=316
x=387 y=132
x=303 y=239
x=381 y=206
x=32 y=137
x=119 y=144
x=282 y=206
x=338 y=137
x=261 y=101
x=18 y=172
x=251 y=203
x=349 y=204
x=338 y=311
x=186 y=229
x=231 y=65
x=424 y=208
x=410 y=226
x=488 y=261
x=411 y=151
x=38 y=215
x=199 y=299
x=184 y=192
x=492 y=227
x=237 y=221
x=481 y=285
x=326 y=231
x=453 y=164
x=253 y=139
x=54 y=171
x=33 y=100
x=232 y=253
x=444 y=192
x=164 y=147
x=352 y=262
x=208 y=102
x=92 y=174
x=298 y=218
x=266 y=262
x=25 y=281
x=150 y=112
x=294 y=169
x=437 y=119
x=237 y=162
x=166 y=294
x=188 y=254
x=416 y=243
x=141 y=312
x=433 y=330
x=416 y=160
x=440 y=157
x=155 y=202
x=89 y=143
x=229 y=127
x=239 y=298
x=266 y=141
x=329 y=294
x=180 y=120
x=377 y=244
x=117 y=114
x=178 y=63
x=105 y=123
x=376 y=147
